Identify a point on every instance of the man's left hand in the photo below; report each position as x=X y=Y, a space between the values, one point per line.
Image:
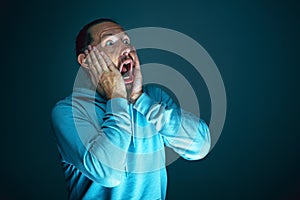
x=137 y=81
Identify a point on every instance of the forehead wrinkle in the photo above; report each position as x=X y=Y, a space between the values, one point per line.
x=97 y=30
x=111 y=33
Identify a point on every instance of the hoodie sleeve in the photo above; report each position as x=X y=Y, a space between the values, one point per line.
x=182 y=131
x=97 y=150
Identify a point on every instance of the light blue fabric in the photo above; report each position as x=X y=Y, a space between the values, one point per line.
x=115 y=150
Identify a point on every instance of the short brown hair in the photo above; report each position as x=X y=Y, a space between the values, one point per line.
x=84 y=37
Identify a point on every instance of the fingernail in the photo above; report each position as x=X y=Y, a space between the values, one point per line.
x=94 y=48
x=90 y=47
x=86 y=51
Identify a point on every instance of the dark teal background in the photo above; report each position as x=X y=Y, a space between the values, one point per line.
x=255 y=45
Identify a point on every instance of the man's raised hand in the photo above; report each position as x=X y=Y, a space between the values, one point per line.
x=137 y=81
x=105 y=75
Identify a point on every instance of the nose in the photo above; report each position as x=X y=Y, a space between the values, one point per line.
x=125 y=51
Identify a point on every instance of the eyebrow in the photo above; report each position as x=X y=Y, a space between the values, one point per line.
x=106 y=35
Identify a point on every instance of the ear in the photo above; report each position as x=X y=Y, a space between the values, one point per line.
x=81 y=59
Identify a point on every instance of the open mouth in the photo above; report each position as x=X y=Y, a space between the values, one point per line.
x=126 y=68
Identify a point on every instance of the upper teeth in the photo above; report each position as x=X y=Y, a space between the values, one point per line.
x=125 y=63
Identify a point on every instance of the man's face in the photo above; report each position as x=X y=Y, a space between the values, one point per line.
x=111 y=38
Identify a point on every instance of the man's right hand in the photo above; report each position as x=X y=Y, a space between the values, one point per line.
x=105 y=75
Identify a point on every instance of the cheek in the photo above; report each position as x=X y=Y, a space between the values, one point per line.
x=113 y=53
x=113 y=56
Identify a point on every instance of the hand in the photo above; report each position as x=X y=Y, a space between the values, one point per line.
x=137 y=81
x=105 y=75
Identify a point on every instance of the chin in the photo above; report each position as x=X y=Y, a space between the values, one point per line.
x=128 y=82
x=129 y=85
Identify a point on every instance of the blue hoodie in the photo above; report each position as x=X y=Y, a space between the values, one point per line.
x=116 y=150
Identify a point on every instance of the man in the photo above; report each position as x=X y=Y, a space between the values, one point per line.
x=111 y=132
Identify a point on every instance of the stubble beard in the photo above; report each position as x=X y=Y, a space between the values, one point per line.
x=128 y=89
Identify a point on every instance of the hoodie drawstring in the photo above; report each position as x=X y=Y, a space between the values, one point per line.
x=132 y=123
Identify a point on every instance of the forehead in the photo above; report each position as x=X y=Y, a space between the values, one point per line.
x=103 y=29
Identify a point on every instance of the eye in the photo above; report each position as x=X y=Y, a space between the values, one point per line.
x=126 y=41
x=109 y=43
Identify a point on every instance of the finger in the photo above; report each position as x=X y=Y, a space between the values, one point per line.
x=109 y=63
x=88 y=59
x=100 y=58
x=136 y=60
x=137 y=69
x=94 y=77
x=95 y=62
x=92 y=69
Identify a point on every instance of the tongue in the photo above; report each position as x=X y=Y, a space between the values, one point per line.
x=124 y=69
